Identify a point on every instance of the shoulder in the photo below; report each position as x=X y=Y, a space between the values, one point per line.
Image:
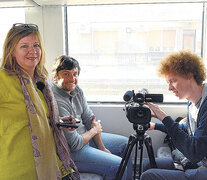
x=204 y=105
x=78 y=93
x=57 y=90
x=202 y=114
x=3 y=74
x=204 y=92
x=53 y=86
x=7 y=78
x=78 y=90
x=10 y=86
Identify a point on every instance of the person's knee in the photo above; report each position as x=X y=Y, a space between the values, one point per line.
x=147 y=175
x=144 y=176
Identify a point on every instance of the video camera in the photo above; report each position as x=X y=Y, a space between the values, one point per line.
x=136 y=112
x=140 y=115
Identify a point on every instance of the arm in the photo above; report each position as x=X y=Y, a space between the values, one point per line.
x=95 y=130
x=161 y=127
x=74 y=139
x=97 y=138
x=159 y=114
x=95 y=134
x=99 y=143
x=89 y=120
x=193 y=147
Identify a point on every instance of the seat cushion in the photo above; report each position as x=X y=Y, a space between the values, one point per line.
x=164 y=152
x=90 y=176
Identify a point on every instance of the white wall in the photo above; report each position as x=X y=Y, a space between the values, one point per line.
x=49 y=21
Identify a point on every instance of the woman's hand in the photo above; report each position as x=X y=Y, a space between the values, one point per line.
x=158 y=113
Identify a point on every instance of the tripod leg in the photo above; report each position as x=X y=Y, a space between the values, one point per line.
x=148 y=144
x=131 y=142
x=141 y=155
x=135 y=160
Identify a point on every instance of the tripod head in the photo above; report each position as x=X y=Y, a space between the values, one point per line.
x=141 y=128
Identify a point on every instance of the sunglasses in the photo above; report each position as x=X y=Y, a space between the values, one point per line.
x=33 y=27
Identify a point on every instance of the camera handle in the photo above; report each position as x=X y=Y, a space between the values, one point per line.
x=133 y=140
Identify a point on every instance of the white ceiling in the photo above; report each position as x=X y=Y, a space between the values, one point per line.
x=17 y=3
x=25 y=3
x=78 y=2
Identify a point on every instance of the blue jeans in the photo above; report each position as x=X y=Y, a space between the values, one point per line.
x=167 y=171
x=90 y=159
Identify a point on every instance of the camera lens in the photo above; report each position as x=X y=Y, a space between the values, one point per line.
x=139 y=98
x=140 y=113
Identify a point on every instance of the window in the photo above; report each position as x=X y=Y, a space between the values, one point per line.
x=119 y=46
x=189 y=39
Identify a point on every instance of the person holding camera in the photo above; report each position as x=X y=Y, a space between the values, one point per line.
x=92 y=150
x=31 y=145
x=185 y=73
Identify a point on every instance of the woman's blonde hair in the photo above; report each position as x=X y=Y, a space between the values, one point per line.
x=15 y=34
x=182 y=63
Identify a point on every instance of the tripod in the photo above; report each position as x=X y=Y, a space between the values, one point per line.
x=140 y=137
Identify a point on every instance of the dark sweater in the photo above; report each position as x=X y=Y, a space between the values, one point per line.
x=193 y=147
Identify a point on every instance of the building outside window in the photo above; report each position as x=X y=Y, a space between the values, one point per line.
x=119 y=46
